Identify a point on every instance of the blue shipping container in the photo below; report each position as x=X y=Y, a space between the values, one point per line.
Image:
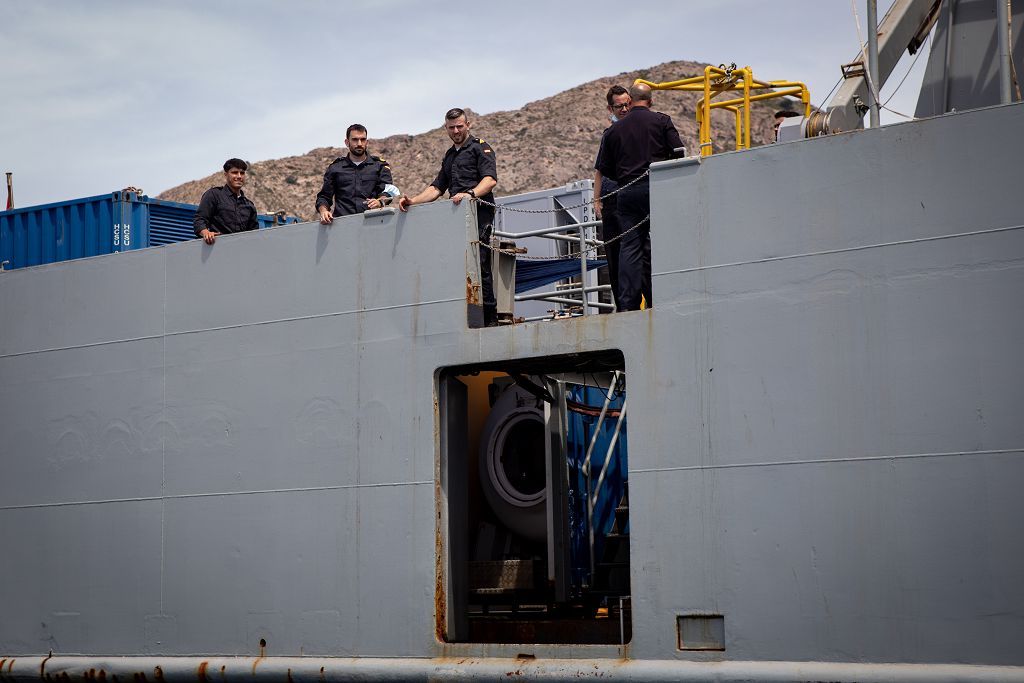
x=92 y=226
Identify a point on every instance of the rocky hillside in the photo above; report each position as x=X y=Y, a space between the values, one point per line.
x=544 y=144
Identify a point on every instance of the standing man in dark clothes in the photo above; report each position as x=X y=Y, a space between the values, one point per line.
x=355 y=182
x=607 y=210
x=780 y=116
x=468 y=170
x=629 y=148
x=225 y=209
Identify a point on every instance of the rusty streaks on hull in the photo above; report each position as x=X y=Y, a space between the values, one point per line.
x=440 y=603
x=472 y=293
x=263 y=654
x=201 y=672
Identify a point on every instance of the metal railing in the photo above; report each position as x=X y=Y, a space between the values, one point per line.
x=594 y=491
x=576 y=234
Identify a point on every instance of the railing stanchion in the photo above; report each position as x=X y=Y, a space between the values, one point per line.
x=583 y=269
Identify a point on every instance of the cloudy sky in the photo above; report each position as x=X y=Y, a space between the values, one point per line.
x=104 y=94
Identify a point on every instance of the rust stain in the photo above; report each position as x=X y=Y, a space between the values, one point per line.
x=201 y=673
x=10 y=664
x=263 y=653
x=289 y=675
x=158 y=673
x=472 y=292
x=103 y=674
x=321 y=673
x=440 y=603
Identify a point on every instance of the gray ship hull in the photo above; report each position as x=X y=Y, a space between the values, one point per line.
x=209 y=448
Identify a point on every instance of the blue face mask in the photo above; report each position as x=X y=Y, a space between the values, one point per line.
x=613 y=117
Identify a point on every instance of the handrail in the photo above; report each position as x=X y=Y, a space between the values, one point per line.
x=562 y=292
x=563 y=233
x=586 y=462
x=574 y=233
x=540 y=232
x=611 y=448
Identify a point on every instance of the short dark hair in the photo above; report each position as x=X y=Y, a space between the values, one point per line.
x=786 y=114
x=454 y=113
x=638 y=92
x=235 y=163
x=355 y=126
x=615 y=91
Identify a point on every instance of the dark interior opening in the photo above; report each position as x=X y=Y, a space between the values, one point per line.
x=534 y=505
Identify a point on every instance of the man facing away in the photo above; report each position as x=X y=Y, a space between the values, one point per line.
x=780 y=116
x=355 y=182
x=468 y=171
x=607 y=210
x=630 y=146
x=225 y=209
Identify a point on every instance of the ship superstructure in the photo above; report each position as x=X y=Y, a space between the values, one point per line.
x=803 y=463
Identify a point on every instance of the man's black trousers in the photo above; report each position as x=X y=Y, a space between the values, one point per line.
x=485 y=224
x=635 y=252
x=610 y=229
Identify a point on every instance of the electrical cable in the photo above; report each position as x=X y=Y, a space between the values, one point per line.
x=903 y=80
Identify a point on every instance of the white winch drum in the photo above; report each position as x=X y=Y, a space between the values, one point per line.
x=512 y=470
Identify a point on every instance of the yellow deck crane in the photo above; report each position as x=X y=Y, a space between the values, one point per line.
x=741 y=88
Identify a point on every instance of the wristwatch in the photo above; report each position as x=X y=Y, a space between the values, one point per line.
x=471 y=193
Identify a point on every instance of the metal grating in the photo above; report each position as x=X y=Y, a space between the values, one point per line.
x=169 y=224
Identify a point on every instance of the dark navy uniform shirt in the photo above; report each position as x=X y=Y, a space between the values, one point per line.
x=349 y=184
x=464 y=167
x=634 y=142
x=221 y=211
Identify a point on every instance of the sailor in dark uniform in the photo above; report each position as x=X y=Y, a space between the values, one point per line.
x=627 y=151
x=607 y=210
x=355 y=182
x=469 y=170
x=225 y=209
